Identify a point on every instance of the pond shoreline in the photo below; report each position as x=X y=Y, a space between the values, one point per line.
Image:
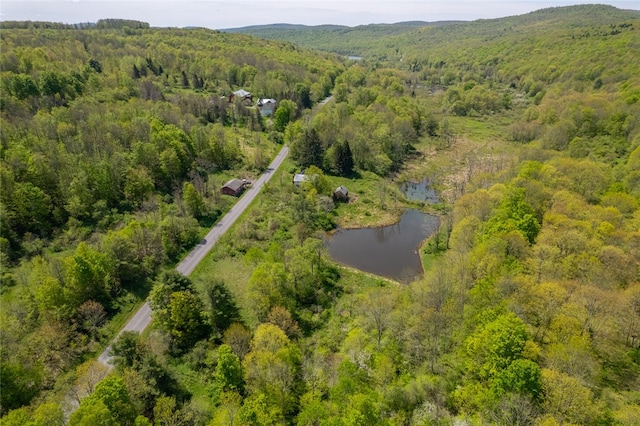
x=392 y=251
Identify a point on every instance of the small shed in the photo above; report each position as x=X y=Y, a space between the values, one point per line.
x=266 y=107
x=341 y=193
x=299 y=178
x=233 y=187
x=242 y=94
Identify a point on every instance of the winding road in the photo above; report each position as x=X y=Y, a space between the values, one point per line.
x=142 y=317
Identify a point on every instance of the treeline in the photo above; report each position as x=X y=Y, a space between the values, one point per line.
x=23 y=25
x=338 y=39
x=121 y=24
x=101 y=24
x=222 y=61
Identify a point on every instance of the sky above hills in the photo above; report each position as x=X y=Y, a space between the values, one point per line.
x=217 y=14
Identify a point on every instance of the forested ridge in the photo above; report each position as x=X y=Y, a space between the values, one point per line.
x=334 y=38
x=529 y=309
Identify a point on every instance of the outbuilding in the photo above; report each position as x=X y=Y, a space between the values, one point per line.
x=266 y=107
x=341 y=193
x=299 y=178
x=242 y=94
x=233 y=187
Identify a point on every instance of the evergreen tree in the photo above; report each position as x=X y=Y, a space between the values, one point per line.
x=307 y=150
x=223 y=310
x=154 y=69
x=185 y=80
x=303 y=95
x=343 y=159
x=197 y=82
x=95 y=65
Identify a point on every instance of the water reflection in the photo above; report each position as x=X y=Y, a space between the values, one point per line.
x=389 y=251
x=420 y=191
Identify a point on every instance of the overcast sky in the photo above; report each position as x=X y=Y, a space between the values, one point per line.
x=238 y=13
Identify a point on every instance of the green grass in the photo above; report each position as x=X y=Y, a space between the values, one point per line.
x=373 y=201
x=480 y=128
x=354 y=281
x=429 y=253
x=232 y=269
x=235 y=272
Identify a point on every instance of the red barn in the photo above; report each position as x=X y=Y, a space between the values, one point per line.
x=233 y=187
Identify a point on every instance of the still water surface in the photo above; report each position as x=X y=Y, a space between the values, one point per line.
x=420 y=191
x=389 y=251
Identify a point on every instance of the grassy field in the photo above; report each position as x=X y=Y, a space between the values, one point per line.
x=373 y=201
x=235 y=272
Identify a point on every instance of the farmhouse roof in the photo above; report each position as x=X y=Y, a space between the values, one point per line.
x=265 y=101
x=242 y=93
x=234 y=184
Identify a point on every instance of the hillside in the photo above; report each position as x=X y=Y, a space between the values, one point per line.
x=333 y=38
x=546 y=32
x=389 y=41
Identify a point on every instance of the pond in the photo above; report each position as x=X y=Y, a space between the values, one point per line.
x=389 y=251
x=420 y=191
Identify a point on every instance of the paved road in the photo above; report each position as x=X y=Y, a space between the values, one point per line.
x=325 y=101
x=142 y=318
x=190 y=262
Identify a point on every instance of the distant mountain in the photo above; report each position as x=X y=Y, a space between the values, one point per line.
x=523 y=41
x=253 y=29
x=339 y=39
x=416 y=38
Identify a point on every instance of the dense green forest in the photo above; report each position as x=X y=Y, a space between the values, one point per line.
x=116 y=138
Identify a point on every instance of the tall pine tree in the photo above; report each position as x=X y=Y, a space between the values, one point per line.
x=343 y=159
x=307 y=150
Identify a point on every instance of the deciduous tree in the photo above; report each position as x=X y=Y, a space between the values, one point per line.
x=272 y=366
x=285 y=113
x=193 y=200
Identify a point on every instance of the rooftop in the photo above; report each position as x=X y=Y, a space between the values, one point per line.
x=234 y=184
